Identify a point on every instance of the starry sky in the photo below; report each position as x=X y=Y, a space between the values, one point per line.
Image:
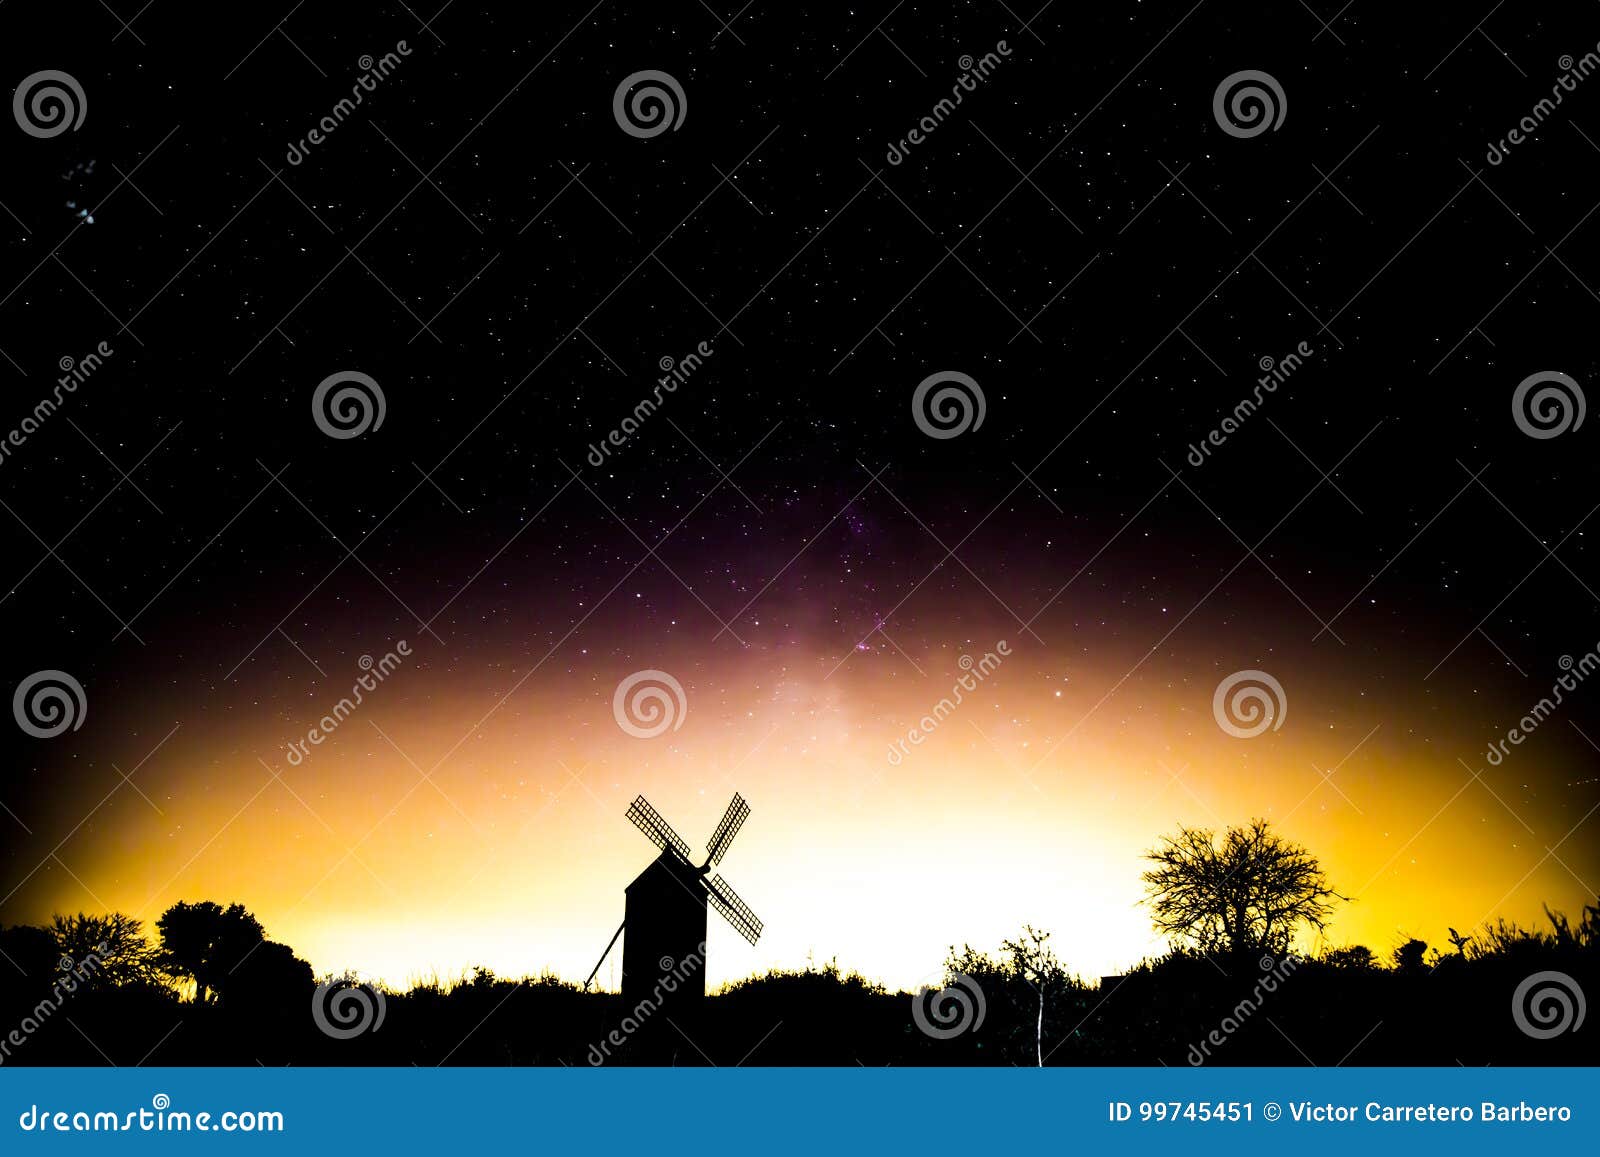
x=1079 y=236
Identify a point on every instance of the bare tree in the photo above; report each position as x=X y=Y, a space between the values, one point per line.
x=1249 y=894
x=116 y=944
x=1038 y=966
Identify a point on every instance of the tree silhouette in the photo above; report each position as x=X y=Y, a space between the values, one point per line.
x=33 y=952
x=114 y=942
x=1247 y=895
x=1038 y=966
x=205 y=942
x=1175 y=1008
x=1028 y=996
x=269 y=981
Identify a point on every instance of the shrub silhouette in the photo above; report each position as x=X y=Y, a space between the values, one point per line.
x=1341 y=1005
x=1355 y=957
x=1410 y=956
x=1030 y=1000
x=271 y=980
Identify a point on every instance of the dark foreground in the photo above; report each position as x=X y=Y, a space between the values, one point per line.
x=1424 y=1009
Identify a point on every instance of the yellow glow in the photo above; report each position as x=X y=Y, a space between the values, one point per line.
x=1032 y=802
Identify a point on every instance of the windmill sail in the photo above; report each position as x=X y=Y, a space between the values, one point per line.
x=656 y=829
x=732 y=820
x=734 y=910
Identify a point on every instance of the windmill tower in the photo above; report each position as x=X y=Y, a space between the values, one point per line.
x=665 y=914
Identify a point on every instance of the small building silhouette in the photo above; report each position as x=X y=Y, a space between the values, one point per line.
x=663 y=953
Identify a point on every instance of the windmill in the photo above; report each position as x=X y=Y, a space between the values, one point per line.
x=665 y=913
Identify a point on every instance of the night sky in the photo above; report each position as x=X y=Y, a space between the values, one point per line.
x=512 y=267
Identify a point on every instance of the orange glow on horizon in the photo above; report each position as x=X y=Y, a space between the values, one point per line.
x=1032 y=802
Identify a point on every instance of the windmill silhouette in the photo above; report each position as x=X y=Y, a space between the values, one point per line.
x=665 y=913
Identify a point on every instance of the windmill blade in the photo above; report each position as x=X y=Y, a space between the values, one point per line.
x=734 y=910
x=656 y=829
x=732 y=820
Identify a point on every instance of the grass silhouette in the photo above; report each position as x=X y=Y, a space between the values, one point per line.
x=1340 y=1005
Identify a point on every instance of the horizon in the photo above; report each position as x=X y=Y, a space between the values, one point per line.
x=846 y=855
